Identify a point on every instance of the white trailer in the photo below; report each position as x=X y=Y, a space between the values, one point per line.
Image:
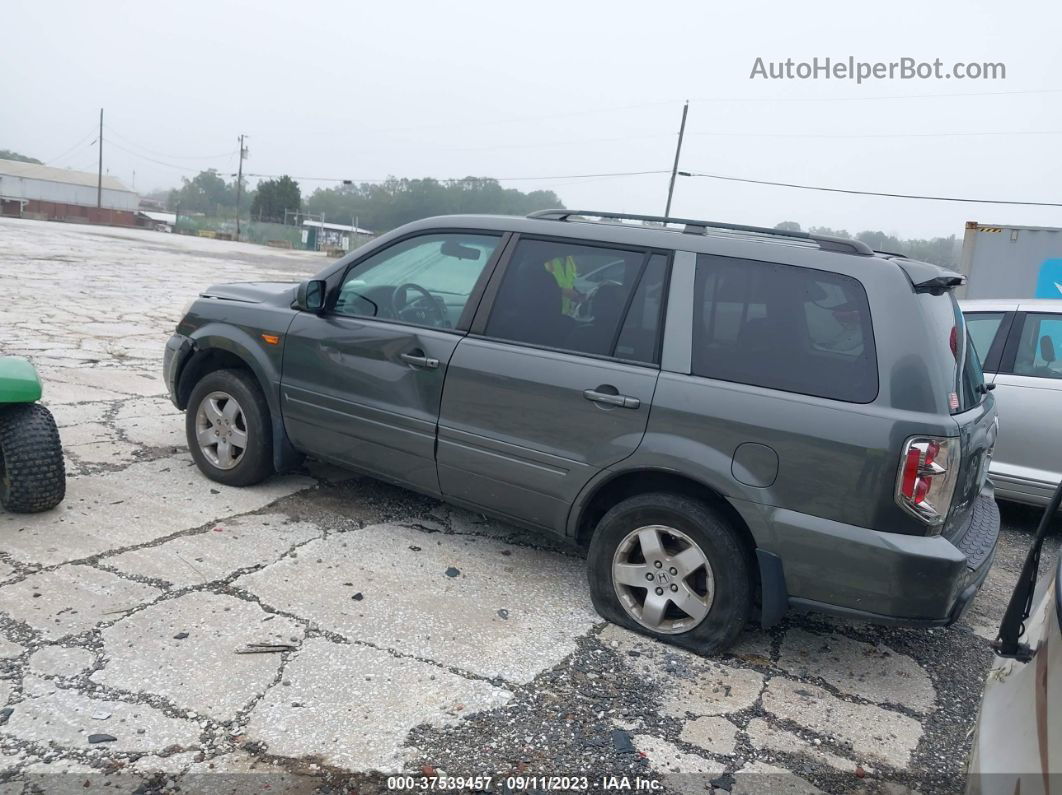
x=1011 y=261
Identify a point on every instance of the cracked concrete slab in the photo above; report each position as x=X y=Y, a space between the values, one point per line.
x=58 y=392
x=875 y=673
x=712 y=734
x=338 y=694
x=760 y=778
x=217 y=552
x=871 y=731
x=150 y=432
x=50 y=714
x=173 y=765
x=72 y=599
x=667 y=758
x=151 y=422
x=410 y=603
x=69 y=414
x=63 y=777
x=765 y=737
x=143 y=502
x=113 y=452
x=200 y=671
x=119 y=380
x=86 y=433
x=61 y=661
x=238 y=773
x=688 y=683
x=9 y=648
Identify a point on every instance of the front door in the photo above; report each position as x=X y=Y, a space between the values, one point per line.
x=557 y=383
x=362 y=383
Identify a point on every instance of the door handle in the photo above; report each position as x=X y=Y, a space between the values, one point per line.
x=619 y=401
x=419 y=361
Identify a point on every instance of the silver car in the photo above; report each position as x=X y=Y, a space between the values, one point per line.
x=1020 y=345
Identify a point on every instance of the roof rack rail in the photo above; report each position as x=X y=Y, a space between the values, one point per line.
x=695 y=227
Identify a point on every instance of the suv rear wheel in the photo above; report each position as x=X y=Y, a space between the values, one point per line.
x=227 y=425
x=668 y=566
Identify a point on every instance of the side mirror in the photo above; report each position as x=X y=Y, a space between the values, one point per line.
x=310 y=297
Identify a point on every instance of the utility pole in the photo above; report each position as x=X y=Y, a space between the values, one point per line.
x=99 y=176
x=239 y=186
x=678 y=151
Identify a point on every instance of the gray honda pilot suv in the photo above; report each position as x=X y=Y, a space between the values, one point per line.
x=737 y=421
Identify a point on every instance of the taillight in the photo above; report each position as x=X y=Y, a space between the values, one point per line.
x=926 y=480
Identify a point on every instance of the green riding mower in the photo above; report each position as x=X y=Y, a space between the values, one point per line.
x=32 y=472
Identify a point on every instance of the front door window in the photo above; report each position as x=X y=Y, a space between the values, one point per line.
x=423 y=281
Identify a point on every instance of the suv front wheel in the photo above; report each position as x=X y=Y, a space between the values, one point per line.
x=668 y=566
x=227 y=425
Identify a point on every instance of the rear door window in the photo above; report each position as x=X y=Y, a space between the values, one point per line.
x=581 y=298
x=783 y=327
x=639 y=339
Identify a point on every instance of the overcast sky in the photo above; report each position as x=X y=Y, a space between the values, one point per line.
x=366 y=90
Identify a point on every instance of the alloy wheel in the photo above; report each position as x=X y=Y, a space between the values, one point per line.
x=221 y=430
x=663 y=579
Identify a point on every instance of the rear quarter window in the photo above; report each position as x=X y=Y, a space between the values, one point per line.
x=784 y=327
x=951 y=346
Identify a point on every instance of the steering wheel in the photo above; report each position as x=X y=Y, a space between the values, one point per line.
x=585 y=310
x=425 y=310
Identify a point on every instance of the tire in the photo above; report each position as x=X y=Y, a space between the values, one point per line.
x=717 y=594
x=32 y=470
x=228 y=407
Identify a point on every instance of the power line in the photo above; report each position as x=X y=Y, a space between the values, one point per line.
x=73 y=148
x=185 y=169
x=868 y=192
x=134 y=144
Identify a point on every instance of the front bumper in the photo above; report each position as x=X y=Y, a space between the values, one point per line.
x=878 y=576
x=174 y=357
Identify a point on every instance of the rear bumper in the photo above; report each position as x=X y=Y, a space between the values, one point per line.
x=877 y=576
x=174 y=357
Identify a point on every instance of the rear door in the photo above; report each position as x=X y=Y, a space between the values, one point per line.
x=556 y=380
x=362 y=383
x=1029 y=396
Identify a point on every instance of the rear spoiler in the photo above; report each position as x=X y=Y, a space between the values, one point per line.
x=928 y=278
x=939 y=284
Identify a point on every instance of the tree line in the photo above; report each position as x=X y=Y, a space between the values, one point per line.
x=943 y=251
x=375 y=206
x=209 y=194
